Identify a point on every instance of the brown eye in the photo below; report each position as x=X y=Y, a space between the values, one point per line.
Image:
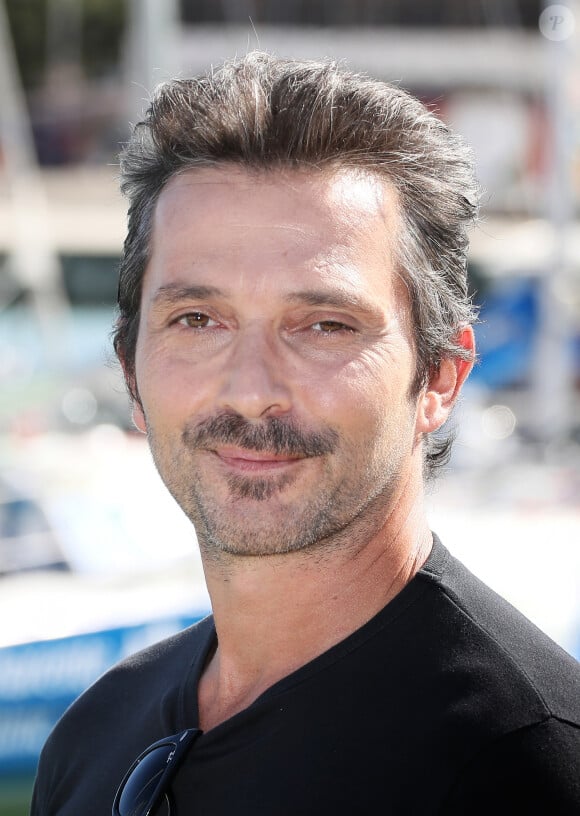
x=196 y=320
x=330 y=326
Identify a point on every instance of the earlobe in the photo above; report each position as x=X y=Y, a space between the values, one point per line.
x=138 y=418
x=137 y=415
x=445 y=383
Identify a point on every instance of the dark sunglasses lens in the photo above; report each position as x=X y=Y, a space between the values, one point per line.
x=141 y=784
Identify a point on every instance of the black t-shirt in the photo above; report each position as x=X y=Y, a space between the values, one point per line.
x=447 y=702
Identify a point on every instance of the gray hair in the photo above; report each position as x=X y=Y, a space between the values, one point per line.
x=268 y=113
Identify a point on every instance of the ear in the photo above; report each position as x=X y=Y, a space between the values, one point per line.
x=437 y=399
x=138 y=417
x=137 y=414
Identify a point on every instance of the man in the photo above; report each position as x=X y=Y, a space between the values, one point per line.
x=294 y=326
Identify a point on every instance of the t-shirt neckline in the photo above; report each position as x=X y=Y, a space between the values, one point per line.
x=431 y=570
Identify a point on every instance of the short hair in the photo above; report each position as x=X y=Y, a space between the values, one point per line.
x=263 y=112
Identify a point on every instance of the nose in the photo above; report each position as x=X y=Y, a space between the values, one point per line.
x=255 y=382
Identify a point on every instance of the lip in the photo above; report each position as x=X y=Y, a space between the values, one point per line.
x=255 y=461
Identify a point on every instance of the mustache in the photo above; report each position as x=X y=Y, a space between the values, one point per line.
x=275 y=435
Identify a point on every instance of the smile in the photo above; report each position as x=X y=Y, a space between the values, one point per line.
x=251 y=461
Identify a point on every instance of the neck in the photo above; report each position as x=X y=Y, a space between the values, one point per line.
x=274 y=614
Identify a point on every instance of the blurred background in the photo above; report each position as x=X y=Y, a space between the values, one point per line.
x=95 y=559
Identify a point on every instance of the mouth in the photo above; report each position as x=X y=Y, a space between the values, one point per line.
x=252 y=461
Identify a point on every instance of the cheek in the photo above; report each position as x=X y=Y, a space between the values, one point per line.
x=367 y=400
x=170 y=391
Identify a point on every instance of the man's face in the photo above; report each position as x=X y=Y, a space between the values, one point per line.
x=275 y=359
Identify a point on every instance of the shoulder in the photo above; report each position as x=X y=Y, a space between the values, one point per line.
x=143 y=674
x=502 y=636
x=513 y=691
x=535 y=769
x=141 y=698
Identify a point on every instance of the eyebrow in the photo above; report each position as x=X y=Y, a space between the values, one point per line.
x=175 y=293
x=339 y=299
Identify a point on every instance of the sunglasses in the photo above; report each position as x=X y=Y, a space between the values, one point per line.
x=147 y=781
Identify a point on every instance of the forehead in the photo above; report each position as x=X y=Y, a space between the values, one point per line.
x=274 y=231
x=327 y=200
